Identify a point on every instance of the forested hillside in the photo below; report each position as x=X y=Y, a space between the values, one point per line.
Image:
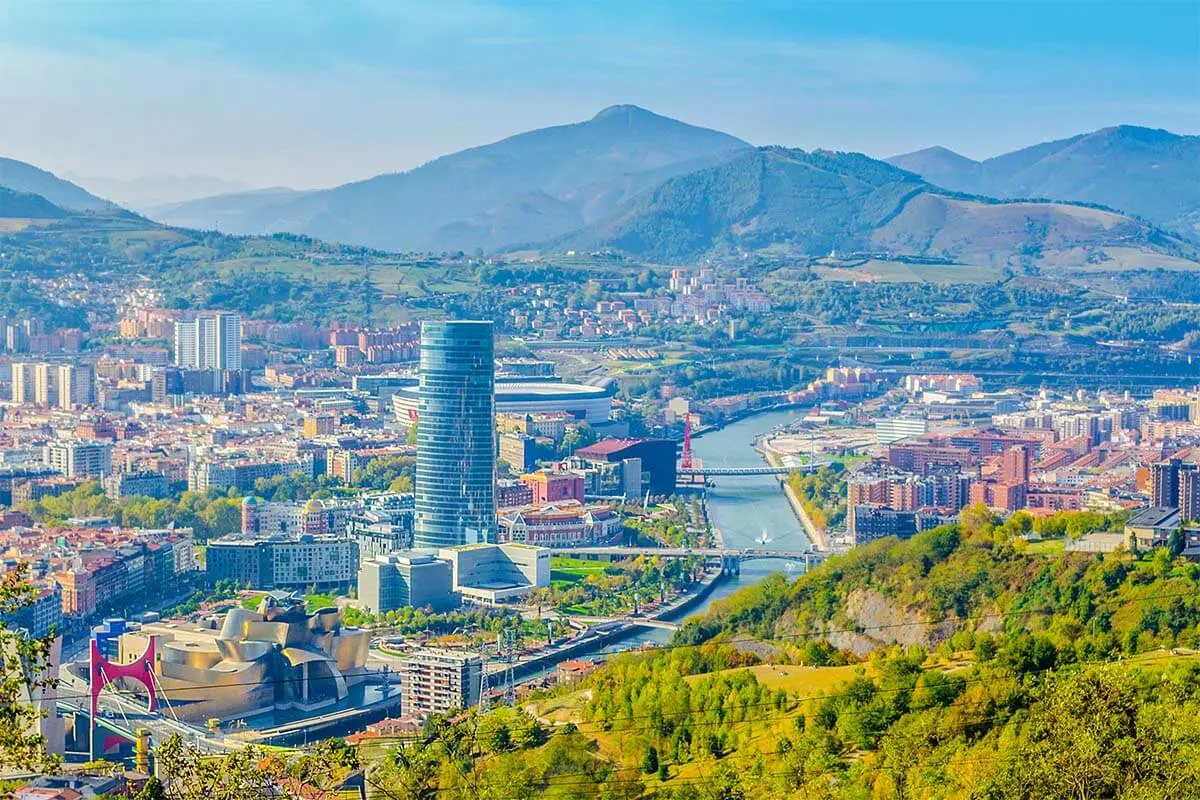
x=1029 y=649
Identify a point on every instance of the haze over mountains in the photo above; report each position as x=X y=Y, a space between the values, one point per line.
x=26 y=178
x=147 y=193
x=662 y=190
x=1154 y=174
x=531 y=186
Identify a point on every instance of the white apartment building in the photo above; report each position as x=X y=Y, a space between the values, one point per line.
x=213 y=340
x=77 y=459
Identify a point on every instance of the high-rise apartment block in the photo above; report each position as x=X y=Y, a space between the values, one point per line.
x=440 y=681
x=22 y=382
x=456 y=436
x=76 y=385
x=213 y=340
x=1175 y=483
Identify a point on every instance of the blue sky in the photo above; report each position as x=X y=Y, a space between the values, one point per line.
x=317 y=92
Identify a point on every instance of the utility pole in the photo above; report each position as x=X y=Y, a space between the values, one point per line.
x=508 y=654
x=484 y=702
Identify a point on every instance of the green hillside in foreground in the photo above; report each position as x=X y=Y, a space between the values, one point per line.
x=1044 y=674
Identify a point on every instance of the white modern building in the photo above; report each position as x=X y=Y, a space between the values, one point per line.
x=411 y=578
x=492 y=574
x=894 y=429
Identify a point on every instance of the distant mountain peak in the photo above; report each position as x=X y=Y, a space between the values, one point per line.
x=944 y=152
x=937 y=154
x=1136 y=133
x=623 y=110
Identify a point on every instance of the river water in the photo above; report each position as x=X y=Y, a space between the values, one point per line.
x=742 y=508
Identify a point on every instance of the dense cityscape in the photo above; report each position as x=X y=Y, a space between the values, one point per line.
x=618 y=457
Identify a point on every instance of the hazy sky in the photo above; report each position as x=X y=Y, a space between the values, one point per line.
x=318 y=92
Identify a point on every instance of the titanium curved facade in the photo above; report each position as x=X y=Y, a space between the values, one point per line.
x=456 y=436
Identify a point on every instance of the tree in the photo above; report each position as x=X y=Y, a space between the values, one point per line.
x=250 y=772
x=1177 y=541
x=223 y=516
x=650 y=762
x=25 y=672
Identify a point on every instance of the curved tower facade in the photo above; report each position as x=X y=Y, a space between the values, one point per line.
x=456 y=436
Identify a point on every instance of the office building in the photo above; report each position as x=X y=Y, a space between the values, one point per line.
x=77 y=459
x=414 y=579
x=440 y=681
x=213 y=340
x=456 y=438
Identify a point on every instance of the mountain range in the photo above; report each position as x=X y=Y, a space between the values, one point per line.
x=661 y=190
x=1154 y=174
x=792 y=202
x=531 y=186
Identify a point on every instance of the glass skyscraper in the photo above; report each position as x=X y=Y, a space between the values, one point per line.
x=456 y=436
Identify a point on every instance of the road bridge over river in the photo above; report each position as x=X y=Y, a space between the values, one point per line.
x=731 y=558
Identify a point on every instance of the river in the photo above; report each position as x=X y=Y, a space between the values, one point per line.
x=742 y=508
